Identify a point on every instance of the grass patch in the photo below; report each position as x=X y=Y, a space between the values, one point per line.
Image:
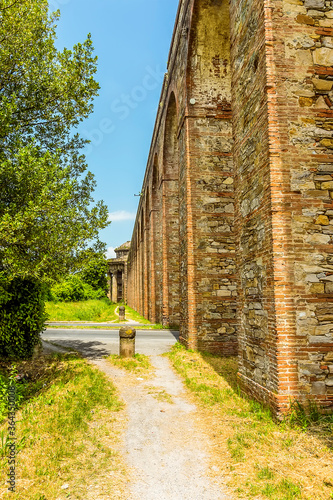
x=107 y=327
x=67 y=427
x=88 y=310
x=139 y=365
x=160 y=394
x=135 y=316
x=259 y=457
x=98 y=311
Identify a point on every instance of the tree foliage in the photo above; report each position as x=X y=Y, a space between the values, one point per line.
x=47 y=216
x=94 y=272
x=74 y=289
x=89 y=283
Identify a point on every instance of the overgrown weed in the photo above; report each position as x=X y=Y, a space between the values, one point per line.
x=138 y=365
x=67 y=425
x=89 y=310
x=309 y=415
x=262 y=457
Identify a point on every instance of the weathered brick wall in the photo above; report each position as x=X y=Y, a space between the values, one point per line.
x=300 y=70
x=236 y=212
x=282 y=113
x=257 y=343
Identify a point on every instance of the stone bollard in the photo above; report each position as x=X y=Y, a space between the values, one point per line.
x=121 y=313
x=127 y=342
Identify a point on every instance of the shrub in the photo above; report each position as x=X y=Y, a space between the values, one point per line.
x=69 y=290
x=74 y=289
x=91 y=293
x=22 y=318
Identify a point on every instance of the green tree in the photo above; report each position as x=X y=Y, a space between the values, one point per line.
x=48 y=219
x=94 y=272
x=89 y=283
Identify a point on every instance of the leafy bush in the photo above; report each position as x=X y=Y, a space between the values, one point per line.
x=74 y=289
x=22 y=318
x=68 y=290
x=92 y=294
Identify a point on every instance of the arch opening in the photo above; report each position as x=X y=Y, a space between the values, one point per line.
x=155 y=286
x=171 y=244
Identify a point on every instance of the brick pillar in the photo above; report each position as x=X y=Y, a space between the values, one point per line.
x=142 y=272
x=165 y=280
x=136 y=282
x=158 y=253
x=170 y=190
x=284 y=204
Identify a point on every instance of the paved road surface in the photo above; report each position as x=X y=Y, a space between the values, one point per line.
x=98 y=343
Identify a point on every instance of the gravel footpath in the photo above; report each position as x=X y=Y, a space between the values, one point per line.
x=162 y=444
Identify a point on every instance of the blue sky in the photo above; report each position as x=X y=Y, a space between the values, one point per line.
x=131 y=39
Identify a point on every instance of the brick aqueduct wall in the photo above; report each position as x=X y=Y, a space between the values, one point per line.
x=234 y=231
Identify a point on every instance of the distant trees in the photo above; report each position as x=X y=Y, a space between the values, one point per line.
x=47 y=216
x=89 y=283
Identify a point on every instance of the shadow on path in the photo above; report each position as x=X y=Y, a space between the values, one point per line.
x=88 y=349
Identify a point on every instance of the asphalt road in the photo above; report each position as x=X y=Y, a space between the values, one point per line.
x=98 y=343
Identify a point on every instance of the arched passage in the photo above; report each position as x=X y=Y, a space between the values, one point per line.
x=208 y=282
x=170 y=178
x=156 y=244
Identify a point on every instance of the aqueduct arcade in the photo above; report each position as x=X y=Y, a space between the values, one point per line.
x=233 y=235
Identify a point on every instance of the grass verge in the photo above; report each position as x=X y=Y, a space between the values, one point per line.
x=68 y=427
x=98 y=311
x=133 y=315
x=139 y=365
x=258 y=457
x=88 y=310
x=108 y=327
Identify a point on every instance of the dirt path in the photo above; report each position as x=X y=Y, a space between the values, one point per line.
x=163 y=445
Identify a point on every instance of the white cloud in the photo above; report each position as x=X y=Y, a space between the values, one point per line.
x=110 y=253
x=121 y=215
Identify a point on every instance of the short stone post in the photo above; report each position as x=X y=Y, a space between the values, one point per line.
x=127 y=342
x=121 y=313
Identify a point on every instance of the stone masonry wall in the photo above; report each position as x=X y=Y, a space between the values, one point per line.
x=257 y=342
x=303 y=77
x=210 y=172
x=233 y=237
